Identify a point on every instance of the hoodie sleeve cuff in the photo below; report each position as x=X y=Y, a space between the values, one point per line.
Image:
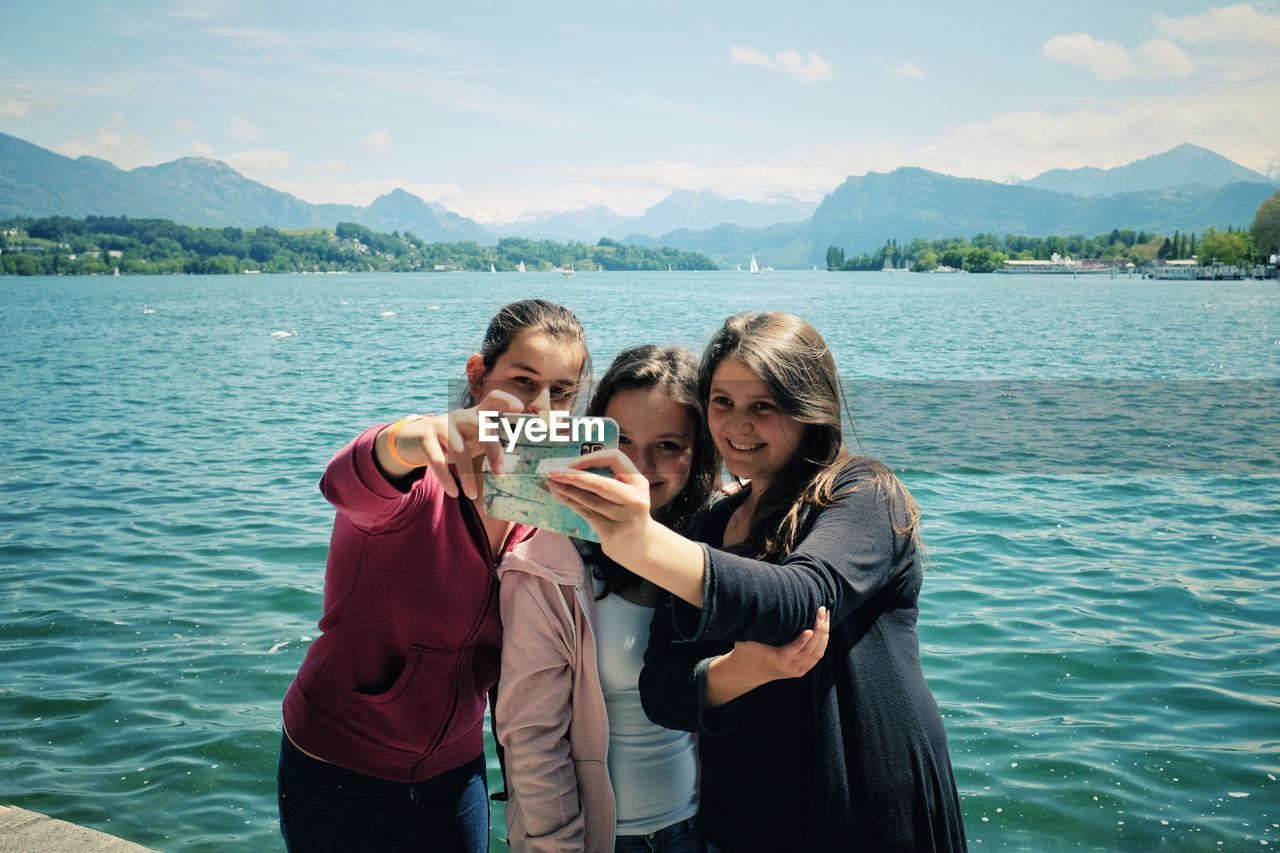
x=371 y=474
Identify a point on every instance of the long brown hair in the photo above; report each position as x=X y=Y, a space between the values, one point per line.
x=673 y=373
x=528 y=315
x=797 y=367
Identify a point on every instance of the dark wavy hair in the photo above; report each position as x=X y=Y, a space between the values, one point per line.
x=673 y=373
x=795 y=364
x=528 y=315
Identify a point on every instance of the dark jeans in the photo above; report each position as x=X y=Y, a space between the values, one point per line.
x=682 y=837
x=324 y=807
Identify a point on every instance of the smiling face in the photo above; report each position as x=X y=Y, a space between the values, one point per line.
x=539 y=370
x=657 y=434
x=755 y=438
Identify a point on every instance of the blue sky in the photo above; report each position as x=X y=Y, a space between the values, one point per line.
x=497 y=108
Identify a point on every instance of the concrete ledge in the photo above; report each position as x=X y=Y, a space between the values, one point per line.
x=22 y=831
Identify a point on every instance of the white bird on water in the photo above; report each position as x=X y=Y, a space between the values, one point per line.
x=280 y=333
x=146 y=309
x=384 y=312
x=342 y=301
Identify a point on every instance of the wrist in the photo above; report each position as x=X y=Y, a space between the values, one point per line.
x=392 y=433
x=631 y=551
x=727 y=679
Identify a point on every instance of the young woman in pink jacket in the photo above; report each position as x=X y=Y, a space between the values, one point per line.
x=586 y=769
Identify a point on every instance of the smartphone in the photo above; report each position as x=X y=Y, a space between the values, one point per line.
x=521 y=493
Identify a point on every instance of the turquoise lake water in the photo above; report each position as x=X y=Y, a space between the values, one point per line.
x=1101 y=627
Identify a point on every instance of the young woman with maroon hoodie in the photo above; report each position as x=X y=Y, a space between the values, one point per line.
x=382 y=748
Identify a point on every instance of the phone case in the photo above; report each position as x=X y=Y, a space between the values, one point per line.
x=521 y=494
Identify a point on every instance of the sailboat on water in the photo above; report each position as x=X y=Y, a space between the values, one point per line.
x=492 y=269
x=520 y=267
x=755 y=268
x=739 y=268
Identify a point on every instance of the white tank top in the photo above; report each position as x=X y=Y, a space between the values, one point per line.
x=654 y=770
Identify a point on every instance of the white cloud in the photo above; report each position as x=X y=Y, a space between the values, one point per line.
x=243 y=130
x=750 y=56
x=810 y=68
x=254 y=163
x=1108 y=60
x=1237 y=68
x=111 y=143
x=14 y=109
x=378 y=142
x=1163 y=58
x=1239 y=24
x=1237 y=43
x=327 y=167
x=908 y=70
x=183 y=125
x=258 y=163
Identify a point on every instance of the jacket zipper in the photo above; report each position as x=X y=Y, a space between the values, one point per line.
x=475 y=628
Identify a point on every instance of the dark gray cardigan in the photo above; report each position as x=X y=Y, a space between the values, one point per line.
x=853 y=755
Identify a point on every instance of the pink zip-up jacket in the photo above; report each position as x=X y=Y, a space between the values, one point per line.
x=394 y=686
x=550 y=715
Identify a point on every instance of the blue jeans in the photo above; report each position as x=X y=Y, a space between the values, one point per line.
x=324 y=807
x=682 y=837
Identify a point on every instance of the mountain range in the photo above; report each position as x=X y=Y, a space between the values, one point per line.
x=1185 y=164
x=1187 y=189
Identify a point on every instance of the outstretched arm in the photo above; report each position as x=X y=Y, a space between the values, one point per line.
x=846 y=557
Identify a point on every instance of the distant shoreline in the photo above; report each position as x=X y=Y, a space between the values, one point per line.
x=100 y=245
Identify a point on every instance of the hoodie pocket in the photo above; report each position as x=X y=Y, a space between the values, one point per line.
x=413 y=712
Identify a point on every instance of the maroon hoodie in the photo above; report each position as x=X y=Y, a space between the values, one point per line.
x=410 y=640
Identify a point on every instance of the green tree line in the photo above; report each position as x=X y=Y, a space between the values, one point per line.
x=987 y=252
x=99 y=245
